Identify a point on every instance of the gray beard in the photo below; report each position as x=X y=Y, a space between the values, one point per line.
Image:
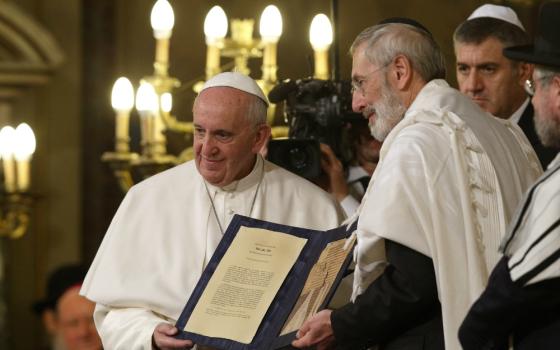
x=548 y=130
x=389 y=111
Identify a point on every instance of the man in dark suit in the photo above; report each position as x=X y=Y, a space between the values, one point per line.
x=522 y=298
x=493 y=81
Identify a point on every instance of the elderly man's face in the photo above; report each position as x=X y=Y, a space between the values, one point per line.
x=373 y=97
x=491 y=80
x=547 y=111
x=74 y=322
x=225 y=142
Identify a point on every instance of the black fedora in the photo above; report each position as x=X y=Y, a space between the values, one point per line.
x=58 y=283
x=546 y=48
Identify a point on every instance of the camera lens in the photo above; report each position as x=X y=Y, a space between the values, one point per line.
x=301 y=157
x=298 y=158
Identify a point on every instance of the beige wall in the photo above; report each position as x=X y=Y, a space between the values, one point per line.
x=56 y=111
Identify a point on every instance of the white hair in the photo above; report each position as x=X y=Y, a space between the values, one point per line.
x=385 y=41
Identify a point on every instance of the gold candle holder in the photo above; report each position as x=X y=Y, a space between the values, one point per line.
x=269 y=67
x=322 y=64
x=159 y=140
x=146 y=131
x=212 y=60
x=161 y=65
x=9 y=167
x=122 y=139
x=23 y=174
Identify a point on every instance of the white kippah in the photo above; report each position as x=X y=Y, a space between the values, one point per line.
x=503 y=13
x=237 y=81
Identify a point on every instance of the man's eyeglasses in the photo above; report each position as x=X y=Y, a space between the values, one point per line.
x=358 y=85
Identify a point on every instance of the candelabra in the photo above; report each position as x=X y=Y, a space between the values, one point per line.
x=16 y=149
x=154 y=95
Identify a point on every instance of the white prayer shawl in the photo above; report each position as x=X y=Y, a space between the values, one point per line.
x=533 y=246
x=165 y=232
x=449 y=179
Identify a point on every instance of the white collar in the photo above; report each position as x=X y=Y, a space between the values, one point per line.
x=516 y=116
x=245 y=183
x=355 y=173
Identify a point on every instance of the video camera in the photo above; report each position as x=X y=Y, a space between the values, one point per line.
x=317 y=112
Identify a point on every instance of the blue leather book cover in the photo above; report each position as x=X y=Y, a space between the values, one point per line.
x=320 y=260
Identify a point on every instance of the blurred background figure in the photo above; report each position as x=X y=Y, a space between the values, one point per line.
x=349 y=183
x=66 y=315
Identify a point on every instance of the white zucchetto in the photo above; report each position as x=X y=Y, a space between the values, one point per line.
x=237 y=81
x=503 y=13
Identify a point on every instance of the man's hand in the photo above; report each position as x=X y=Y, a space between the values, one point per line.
x=317 y=331
x=332 y=166
x=163 y=338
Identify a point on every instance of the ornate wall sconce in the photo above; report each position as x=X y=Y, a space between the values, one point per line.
x=30 y=55
x=16 y=149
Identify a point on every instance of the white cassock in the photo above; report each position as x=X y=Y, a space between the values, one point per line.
x=165 y=232
x=449 y=179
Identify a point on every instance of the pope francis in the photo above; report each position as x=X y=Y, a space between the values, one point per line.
x=167 y=227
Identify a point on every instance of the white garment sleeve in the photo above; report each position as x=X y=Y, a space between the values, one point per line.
x=349 y=204
x=125 y=328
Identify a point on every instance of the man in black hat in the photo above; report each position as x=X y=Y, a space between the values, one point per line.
x=522 y=299
x=68 y=316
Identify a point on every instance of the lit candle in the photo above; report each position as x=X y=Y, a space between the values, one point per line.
x=321 y=36
x=24 y=149
x=215 y=30
x=147 y=105
x=166 y=102
x=162 y=20
x=165 y=105
x=7 y=136
x=270 y=28
x=122 y=100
